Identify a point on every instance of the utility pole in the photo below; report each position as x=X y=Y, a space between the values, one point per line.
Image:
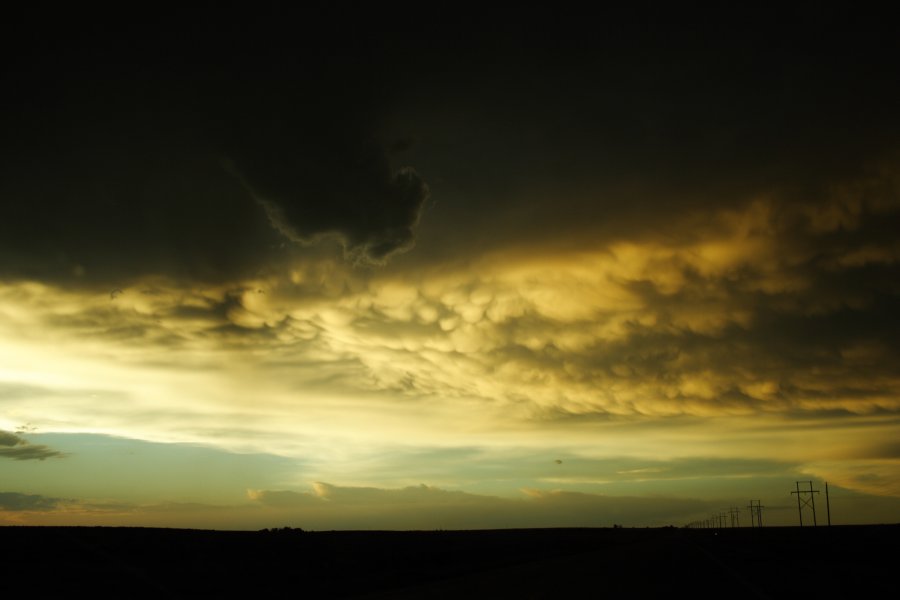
x=735 y=514
x=756 y=513
x=806 y=499
x=827 y=504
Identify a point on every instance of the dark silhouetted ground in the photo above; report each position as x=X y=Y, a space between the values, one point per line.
x=777 y=562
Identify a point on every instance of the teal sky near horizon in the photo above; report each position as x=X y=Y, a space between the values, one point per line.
x=119 y=481
x=522 y=273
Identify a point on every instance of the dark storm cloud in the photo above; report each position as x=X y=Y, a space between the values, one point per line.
x=133 y=151
x=17 y=448
x=121 y=154
x=347 y=192
x=13 y=501
x=614 y=131
x=104 y=188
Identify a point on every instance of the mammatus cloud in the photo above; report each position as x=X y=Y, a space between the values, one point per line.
x=779 y=305
x=17 y=448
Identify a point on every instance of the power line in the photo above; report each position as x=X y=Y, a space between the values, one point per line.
x=756 y=513
x=806 y=500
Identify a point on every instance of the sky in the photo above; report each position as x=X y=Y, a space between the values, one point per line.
x=440 y=271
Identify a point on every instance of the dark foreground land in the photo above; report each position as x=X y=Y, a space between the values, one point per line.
x=777 y=562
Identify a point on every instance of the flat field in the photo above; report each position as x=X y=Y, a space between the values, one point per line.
x=775 y=562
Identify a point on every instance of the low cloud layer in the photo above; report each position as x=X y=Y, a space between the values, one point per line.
x=430 y=508
x=15 y=502
x=426 y=507
x=17 y=448
x=329 y=507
